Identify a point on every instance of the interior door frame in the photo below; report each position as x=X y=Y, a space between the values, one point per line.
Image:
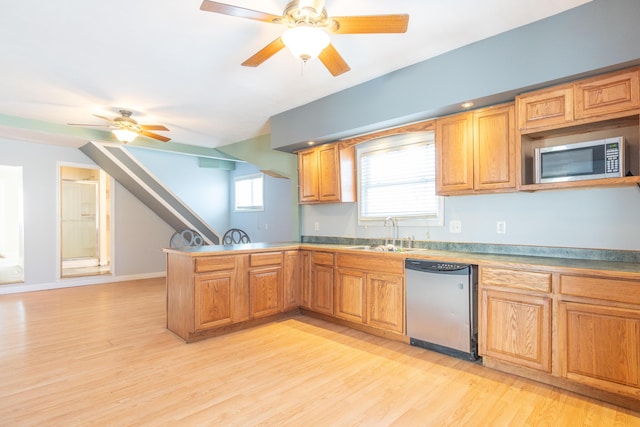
x=102 y=214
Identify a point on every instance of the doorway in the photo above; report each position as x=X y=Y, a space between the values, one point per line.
x=85 y=227
x=11 y=225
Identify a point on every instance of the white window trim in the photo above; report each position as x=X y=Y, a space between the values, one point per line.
x=396 y=141
x=245 y=178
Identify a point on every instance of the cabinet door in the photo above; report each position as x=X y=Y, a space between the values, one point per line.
x=265 y=291
x=454 y=154
x=308 y=175
x=494 y=148
x=292 y=280
x=214 y=299
x=385 y=302
x=600 y=346
x=516 y=328
x=328 y=173
x=545 y=108
x=349 y=295
x=322 y=289
x=610 y=94
x=305 y=272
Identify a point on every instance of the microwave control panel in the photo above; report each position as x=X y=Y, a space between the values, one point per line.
x=612 y=158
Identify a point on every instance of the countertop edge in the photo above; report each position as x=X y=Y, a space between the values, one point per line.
x=513 y=261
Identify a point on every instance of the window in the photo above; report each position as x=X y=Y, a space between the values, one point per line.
x=396 y=177
x=249 y=193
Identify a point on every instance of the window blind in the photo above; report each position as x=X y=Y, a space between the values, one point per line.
x=397 y=180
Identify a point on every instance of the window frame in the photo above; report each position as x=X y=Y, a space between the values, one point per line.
x=388 y=143
x=252 y=208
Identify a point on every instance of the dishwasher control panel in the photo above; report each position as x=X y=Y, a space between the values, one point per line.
x=422 y=265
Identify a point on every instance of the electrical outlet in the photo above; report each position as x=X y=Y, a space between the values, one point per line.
x=266 y=226
x=501 y=227
x=316 y=226
x=455 y=226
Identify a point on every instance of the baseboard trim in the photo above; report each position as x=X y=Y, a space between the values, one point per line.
x=15 y=288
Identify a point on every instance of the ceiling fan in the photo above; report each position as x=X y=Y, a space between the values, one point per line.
x=127 y=129
x=309 y=24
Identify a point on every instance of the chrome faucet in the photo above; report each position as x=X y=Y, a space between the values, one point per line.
x=394 y=223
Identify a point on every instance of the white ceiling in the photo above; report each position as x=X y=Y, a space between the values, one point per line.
x=175 y=65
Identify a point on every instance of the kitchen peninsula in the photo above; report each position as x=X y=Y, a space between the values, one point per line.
x=568 y=322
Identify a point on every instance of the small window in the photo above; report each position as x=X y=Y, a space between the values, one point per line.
x=249 y=193
x=396 y=177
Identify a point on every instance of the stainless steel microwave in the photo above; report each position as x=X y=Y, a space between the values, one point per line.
x=603 y=158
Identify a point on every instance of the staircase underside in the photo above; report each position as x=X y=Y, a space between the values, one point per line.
x=133 y=176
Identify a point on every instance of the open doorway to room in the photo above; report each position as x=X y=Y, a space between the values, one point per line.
x=11 y=225
x=85 y=221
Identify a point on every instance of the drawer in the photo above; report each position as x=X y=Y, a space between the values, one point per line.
x=516 y=279
x=215 y=263
x=265 y=258
x=323 y=258
x=608 y=289
x=371 y=263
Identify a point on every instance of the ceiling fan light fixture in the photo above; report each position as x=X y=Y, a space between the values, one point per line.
x=125 y=135
x=306 y=42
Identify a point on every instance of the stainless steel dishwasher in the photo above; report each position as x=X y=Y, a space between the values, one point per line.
x=442 y=307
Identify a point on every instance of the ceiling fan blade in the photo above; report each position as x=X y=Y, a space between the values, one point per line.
x=333 y=61
x=155 y=136
x=103 y=117
x=240 y=12
x=371 y=24
x=153 y=127
x=265 y=53
x=86 y=125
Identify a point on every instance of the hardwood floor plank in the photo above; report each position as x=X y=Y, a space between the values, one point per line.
x=101 y=355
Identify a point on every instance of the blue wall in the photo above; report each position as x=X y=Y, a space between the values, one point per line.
x=598 y=36
x=275 y=222
x=204 y=190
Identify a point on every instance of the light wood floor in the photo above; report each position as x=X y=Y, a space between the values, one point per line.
x=101 y=356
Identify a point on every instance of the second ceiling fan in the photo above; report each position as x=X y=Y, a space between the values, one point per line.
x=308 y=27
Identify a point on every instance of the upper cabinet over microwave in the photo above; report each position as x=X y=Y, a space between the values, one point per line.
x=598 y=108
x=567 y=104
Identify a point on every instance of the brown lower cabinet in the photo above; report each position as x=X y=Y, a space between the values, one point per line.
x=517 y=328
x=291 y=277
x=369 y=289
x=577 y=329
x=599 y=332
x=214 y=299
x=207 y=295
x=364 y=290
x=316 y=269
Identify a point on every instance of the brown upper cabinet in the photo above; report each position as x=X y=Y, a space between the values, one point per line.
x=476 y=152
x=607 y=94
x=599 y=107
x=547 y=107
x=571 y=103
x=326 y=174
